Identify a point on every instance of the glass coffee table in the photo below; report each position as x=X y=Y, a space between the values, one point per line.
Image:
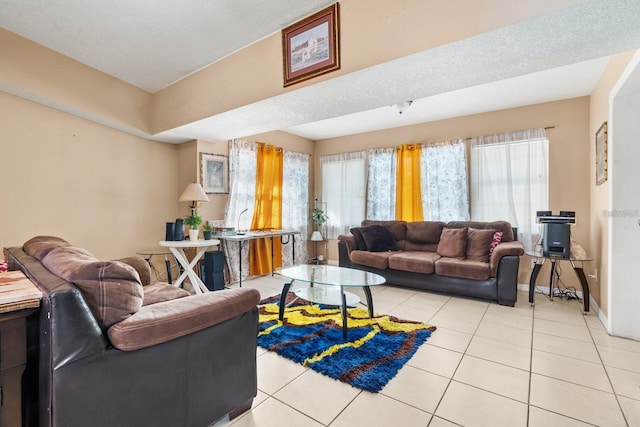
x=331 y=281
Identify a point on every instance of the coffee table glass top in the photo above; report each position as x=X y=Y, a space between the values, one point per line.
x=331 y=275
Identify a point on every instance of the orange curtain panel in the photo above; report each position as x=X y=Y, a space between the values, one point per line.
x=408 y=189
x=268 y=209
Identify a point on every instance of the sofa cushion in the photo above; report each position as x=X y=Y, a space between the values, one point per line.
x=159 y=292
x=379 y=260
x=397 y=228
x=378 y=238
x=112 y=289
x=478 y=244
x=504 y=226
x=39 y=246
x=453 y=242
x=424 y=231
x=361 y=245
x=421 y=247
x=166 y=321
x=463 y=268
x=414 y=261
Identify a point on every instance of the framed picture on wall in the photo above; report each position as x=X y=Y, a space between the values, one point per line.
x=214 y=173
x=311 y=47
x=601 y=154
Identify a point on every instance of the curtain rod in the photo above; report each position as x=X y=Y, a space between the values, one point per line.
x=470 y=138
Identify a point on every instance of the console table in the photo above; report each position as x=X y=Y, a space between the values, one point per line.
x=177 y=249
x=18 y=299
x=539 y=260
x=260 y=234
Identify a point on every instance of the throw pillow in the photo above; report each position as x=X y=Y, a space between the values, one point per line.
x=361 y=245
x=478 y=244
x=378 y=238
x=497 y=238
x=453 y=242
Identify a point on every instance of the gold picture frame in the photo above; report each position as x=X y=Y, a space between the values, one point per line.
x=601 y=154
x=311 y=47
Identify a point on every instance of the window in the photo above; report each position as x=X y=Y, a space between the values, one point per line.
x=343 y=190
x=510 y=180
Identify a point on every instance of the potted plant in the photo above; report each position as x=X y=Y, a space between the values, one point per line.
x=193 y=221
x=206 y=230
x=318 y=217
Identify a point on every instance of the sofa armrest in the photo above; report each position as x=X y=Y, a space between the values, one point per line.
x=141 y=266
x=166 y=321
x=503 y=249
x=346 y=243
x=349 y=240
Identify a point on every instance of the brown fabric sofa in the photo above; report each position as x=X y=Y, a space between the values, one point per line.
x=109 y=348
x=453 y=258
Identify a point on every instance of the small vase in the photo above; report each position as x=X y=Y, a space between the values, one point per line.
x=193 y=234
x=207 y=235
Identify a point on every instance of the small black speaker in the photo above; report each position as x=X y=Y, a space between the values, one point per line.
x=556 y=241
x=169 y=233
x=178 y=230
x=213 y=270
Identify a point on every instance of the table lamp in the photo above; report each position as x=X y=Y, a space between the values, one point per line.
x=194 y=193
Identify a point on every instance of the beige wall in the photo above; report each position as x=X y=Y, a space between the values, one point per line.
x=568 y=156
x=32 y=71
x=99 y=188
x=599 y=203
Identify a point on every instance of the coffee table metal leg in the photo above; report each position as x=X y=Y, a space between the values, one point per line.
x=367 y=294
x=344 y=313
x=283 y=298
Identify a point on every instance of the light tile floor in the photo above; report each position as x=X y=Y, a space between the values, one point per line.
x=486 y=365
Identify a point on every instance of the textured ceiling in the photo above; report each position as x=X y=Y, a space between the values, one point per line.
x=153 y=43
x=150 y=43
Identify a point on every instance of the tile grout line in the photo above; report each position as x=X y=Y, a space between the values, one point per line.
x=606 y=372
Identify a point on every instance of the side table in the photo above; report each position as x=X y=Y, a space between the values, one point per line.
x=539 y=261
x=177 y=249
x=18 y=299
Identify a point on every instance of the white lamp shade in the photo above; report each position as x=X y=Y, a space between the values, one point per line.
x=194 y=193
x=316 y=236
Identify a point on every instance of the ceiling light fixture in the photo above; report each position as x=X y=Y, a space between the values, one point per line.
x=401 y=106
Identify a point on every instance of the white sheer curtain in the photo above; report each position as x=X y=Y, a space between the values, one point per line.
x=295 y=205
x=343 y=190
x=242 y=193
x=381 y=184
x=444 y=181
x=510 y=180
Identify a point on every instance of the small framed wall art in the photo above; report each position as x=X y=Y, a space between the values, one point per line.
x=601 y=154
x=214 y=173
x=311 y=47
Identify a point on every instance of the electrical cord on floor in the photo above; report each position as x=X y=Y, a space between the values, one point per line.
x=561 y=291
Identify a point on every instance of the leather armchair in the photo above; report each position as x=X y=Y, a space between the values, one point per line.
x=189 y=375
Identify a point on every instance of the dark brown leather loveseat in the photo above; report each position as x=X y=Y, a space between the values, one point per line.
x=453 y=258
x=109 y=348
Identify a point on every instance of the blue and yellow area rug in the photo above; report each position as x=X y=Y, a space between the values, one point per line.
x=311 y=334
